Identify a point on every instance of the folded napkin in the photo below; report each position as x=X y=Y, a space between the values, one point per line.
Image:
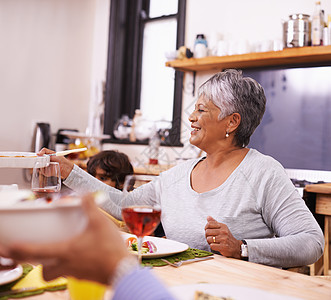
x=188 y=254
x=32 y=277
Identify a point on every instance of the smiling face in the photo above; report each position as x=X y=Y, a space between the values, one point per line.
x=207 y=128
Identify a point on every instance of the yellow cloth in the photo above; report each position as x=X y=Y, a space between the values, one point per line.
x=35 y=279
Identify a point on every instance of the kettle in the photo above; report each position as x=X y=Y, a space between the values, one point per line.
x=41 y=136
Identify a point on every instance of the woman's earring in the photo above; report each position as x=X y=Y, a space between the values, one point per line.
x=227 y=134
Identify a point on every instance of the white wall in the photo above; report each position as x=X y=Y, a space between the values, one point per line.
x=47 y=65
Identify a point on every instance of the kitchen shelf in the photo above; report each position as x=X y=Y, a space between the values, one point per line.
x=302 y=56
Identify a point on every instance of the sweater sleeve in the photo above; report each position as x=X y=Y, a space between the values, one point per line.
x=298 y=238
x=81 y=181
x=141 y=284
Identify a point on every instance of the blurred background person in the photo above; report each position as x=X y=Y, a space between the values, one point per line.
x=110 y=167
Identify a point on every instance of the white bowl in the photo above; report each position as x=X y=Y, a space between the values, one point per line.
x=22 y=160
x=36 y=221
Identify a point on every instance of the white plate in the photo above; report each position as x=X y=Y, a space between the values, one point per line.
x=164 y=247
x=237 y=292
x=7 y=276
x=22 y=159
x=77 y=135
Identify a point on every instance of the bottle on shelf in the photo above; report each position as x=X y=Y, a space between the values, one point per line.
x=200 y=46
x=326 y=40
x=329 y=28
x=153 y=149
x=135 y=122
x=317 y=25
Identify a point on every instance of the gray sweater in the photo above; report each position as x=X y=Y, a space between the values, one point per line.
x=258 y=203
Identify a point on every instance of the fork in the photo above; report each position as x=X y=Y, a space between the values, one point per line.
x=179 y=263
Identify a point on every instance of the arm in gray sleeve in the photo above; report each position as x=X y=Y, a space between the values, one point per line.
x=82 y=182
x=299 y=239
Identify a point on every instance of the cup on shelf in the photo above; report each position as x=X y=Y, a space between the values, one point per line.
x=222 y=48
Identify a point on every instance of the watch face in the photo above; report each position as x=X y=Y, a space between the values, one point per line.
x=244 y=250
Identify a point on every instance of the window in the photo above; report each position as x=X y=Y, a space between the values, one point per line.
x=140 y=32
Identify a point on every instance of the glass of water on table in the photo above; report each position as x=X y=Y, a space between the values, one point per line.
x=46 y=180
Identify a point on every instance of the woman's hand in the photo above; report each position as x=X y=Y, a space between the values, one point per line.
x=92 y=255
x=66 y=165
x=221 y=239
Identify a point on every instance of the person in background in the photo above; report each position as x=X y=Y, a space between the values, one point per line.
x=110 y=167
x=234 y=201
x=106 y=259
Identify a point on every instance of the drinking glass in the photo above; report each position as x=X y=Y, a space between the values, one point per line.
x=140 y=219
x=46 y=180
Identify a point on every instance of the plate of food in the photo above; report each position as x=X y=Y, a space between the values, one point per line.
x=154 y=247
x=8 y=275
x=22 y=159
x=206 y=291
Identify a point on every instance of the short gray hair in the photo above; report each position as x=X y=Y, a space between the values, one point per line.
x=232 y=93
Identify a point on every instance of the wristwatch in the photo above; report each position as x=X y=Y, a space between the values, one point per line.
x=244 y=250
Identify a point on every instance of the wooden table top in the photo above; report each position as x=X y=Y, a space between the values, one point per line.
x=151 y=169
x=222 y=270
x=324 y=188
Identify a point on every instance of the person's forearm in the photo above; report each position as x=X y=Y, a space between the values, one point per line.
x=81 y=181
x=300 y=240
x=288 y=251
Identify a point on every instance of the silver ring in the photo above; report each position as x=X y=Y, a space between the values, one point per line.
x=214 y=239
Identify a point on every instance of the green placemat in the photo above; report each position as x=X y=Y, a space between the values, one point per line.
x=188 y=254
x=26 y=269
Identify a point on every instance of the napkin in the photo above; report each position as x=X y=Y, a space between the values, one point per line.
x=188 y=254
x=32 y=277
x=35 y=279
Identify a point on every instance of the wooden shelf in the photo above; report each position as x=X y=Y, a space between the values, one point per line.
x=303 y=56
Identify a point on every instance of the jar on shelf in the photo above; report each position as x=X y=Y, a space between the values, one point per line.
x=122 y=128
x=297 y=31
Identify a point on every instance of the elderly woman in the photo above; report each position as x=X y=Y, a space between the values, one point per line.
x=235 y=201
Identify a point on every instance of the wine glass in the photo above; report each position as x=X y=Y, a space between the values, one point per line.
x=140 y=219
x=46 y=180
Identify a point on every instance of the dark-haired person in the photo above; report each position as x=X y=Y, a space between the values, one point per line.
x=235 y=200
x=110 y=167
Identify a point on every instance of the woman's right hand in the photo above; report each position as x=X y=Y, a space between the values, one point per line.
x=66 y=165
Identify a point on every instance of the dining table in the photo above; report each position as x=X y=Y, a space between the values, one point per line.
x=322 y=193
x=233 y=273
